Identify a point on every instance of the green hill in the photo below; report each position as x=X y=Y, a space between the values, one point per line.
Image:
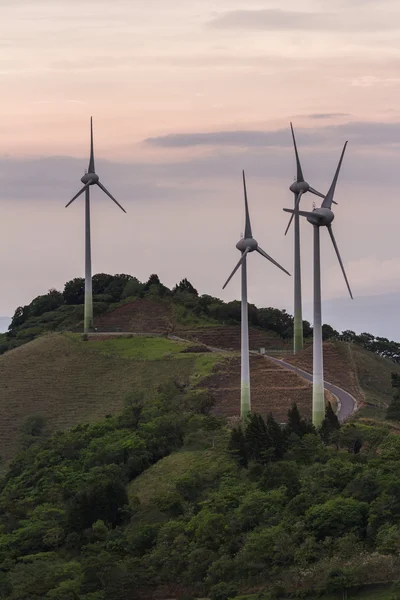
x=68 y=381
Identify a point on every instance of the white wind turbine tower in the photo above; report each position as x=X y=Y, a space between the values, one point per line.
x=299 y=187
x=321 y=217
x=246 y=245
x=90 y=178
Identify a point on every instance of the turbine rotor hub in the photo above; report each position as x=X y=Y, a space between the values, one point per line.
x=247 y=243
x=321 y=217
x=90 y=178
x=299 y=186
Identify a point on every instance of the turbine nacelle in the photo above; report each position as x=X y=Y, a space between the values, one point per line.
x=299 y=186
x=90 y=178
x=321 y=217
x=245 y=243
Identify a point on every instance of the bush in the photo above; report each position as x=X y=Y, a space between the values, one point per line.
x=223 y=591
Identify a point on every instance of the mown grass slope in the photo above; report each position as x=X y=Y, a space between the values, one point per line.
x=69 y=381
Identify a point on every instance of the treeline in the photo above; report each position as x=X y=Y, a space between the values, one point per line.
x=56 y=311
x=260 y=508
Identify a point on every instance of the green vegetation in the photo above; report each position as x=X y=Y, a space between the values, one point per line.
x=67 y=381
x=374 y=375
x=163 y=499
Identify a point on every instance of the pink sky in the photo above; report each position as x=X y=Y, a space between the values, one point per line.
x=157 y=68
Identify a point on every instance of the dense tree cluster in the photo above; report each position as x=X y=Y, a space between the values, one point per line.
x=281 y=509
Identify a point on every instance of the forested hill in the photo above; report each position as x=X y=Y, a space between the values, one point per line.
x=164 y=501
x=181 y=308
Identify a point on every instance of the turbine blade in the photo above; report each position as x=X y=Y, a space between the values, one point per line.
x=91 y=161
x=327 y=203
x=299 y=176
x=268 y=257
x=340 y=259
x=101 y=186
x=313 y=191
x=296 y=205
x=247 y=228
x=245 y=253
x=85 y=187
x=302 y=213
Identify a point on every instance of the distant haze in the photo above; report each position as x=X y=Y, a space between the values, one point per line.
x=378 y=315
x=4 y=323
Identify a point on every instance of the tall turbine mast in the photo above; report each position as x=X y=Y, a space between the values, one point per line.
x=321 y=217
x=299 y=187
x=246 y=245
x=90 y=178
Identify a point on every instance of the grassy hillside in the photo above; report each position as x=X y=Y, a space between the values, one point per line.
x=364 y=374
x=69 y=381
x=374 y=376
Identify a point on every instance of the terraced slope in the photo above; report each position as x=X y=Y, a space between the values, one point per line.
x=361 y=373
x=147 y=315
x=143 y=315
x=339 y=366
x=228 y=337
x=273 y=389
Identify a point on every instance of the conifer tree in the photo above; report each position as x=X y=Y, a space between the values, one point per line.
x=259 y=444
x=297 y=424
x=277 y=437
x=238 y=447
x=329 y=424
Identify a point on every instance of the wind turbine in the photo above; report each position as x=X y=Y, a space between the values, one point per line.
x=90 y=178
x=245 y=245
x=299 y=187
x=321 y=217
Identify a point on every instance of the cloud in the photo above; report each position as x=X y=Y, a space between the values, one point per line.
x=277 y=19
x=358 y=132
x=327 y=115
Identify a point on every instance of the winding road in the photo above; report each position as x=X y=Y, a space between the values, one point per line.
x=347 y=404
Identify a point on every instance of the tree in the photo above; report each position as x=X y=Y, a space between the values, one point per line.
x=277 y=437
x=393 y=411
x=296 y=423
x=238 y=446
x=259 y=444
x=340 y=580
x=328 y=333
x=185 y=286
x=330 y=424
x=152 y=280
x=133 y=287
x=154 y=287
x=336 y=517
x=100 y=281
x=117 y=286
x=46 y=303
x=74 y=291
x=20 y=316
